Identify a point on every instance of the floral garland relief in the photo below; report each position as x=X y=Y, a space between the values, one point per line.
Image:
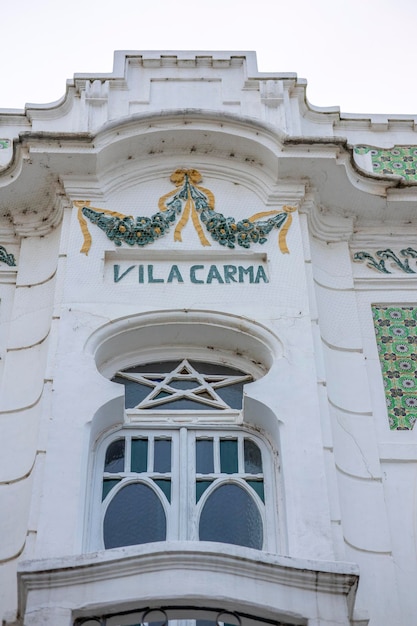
x=187 y=200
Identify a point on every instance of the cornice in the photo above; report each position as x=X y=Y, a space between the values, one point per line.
x=231 y=146
x=41 y=222
x=321 y=577
x=325 y=225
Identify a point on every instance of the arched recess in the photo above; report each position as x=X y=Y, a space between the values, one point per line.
x=224 y=143
x=238 y=341
x=164 y=335
x=204 y=337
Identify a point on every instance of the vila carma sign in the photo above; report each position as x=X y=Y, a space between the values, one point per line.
x=197 y=274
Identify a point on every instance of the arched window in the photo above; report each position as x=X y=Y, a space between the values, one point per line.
x=193 y=476
x=183 y=385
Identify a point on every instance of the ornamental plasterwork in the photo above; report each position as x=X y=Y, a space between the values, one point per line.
x=6 y=257
x=189 y=200
x=396 y=336
x=377 y=260
x=400 y=160
x=184 y=382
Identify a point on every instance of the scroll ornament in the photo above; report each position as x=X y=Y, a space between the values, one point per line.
x=377 y=262
x=7 y=257
x=187 y=200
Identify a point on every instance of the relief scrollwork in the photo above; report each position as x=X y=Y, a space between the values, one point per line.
x=6 y=257
x=377 y=260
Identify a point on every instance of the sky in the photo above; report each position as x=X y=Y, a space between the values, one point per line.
x=357 y=54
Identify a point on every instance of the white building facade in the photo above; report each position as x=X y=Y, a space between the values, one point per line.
x=207 y=337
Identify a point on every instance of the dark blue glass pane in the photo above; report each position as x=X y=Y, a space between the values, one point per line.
x=184 y=384
x=115 y=457
x=228 y=456
x=108 y=484
x=231 y=516
x=253 y=458
x=232 y=394
x=135 y=515
x=204 y=456
x=134 y=392
x=258 y=486
x=200 y=487
x=165 y=486
x=139 y=460
x=185 y=405
x=162 y=455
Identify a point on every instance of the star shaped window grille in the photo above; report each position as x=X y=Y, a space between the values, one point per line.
x=184 y=382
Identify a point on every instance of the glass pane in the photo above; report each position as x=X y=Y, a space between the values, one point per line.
x=115 y=457
x=228 y=456
x=253 y=458
x=139 y=454
x=204 y=456
x=230 y=515
x=231 y=394
x=135 y=515
x=162 y=455
x=165 y=486
x=183 y=404
x=134 y=392
x=258 y=486
x=108 y=485
x=184 y=384
x=163 y=394
x=200 y=487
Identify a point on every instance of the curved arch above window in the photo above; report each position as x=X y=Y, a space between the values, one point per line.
x=164 y=335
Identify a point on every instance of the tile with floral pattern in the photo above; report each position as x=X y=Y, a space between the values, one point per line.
x=396 y=335
x=400 y=160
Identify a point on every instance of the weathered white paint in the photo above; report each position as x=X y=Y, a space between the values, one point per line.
x=345 y=501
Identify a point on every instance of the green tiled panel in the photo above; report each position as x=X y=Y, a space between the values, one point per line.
x=400 y=160
x=396 y=335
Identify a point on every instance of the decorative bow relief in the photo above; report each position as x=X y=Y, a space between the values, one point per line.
x=187 y=200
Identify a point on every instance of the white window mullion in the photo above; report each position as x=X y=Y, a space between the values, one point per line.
x=216 y=454
x=184 y=486
x=151 y=440
x=240 y=455
x=128 y=451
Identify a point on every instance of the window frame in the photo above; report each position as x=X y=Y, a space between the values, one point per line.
x=183 y=513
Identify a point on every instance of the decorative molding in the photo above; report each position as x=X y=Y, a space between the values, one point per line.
x=188 y=200
x=272 y=92
x=82 y=576
x=43 y=221
x=143 y=337
x=326 y=226
x=387 y=254
x=396 y=336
